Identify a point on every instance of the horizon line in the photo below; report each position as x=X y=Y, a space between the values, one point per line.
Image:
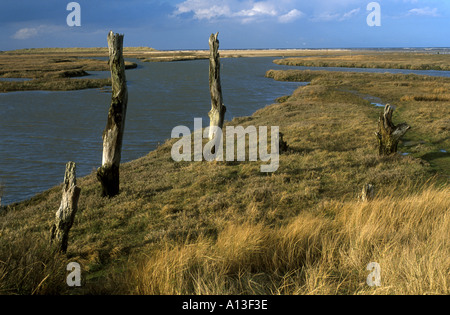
x=225 y=49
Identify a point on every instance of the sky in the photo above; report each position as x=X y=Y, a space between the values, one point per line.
x=242 y=24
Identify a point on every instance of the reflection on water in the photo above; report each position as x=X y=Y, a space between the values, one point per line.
x=40 y=131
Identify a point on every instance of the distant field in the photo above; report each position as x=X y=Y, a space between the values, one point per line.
x=391 y=60
x=153 y=55
x=51 y=71
x=181 y=55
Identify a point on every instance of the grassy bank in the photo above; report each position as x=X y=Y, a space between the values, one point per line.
x=49 y=71
x=393 y=60
x=227 y=228
x=422 y=101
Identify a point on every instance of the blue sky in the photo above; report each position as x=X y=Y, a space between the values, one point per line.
x=187 y=24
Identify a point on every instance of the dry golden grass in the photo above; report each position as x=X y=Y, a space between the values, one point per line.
x=324 y=251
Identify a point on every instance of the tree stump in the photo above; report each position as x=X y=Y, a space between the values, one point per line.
x=388 y=134
x=367 y=193
x=217 y=113
x=282 y=144
x=67 y=210
x=108 y=173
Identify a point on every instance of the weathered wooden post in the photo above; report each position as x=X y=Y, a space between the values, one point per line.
x=367 y=193
x=108 y=173
x=217 y=113
x=283 y=146
x=67 y=210
x=388 y=134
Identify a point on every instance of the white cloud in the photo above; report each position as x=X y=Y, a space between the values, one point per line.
x=427 y=11
x=259 y=9
x=202 y=9
x=243 y=11
x=328 y=16
x=350 y=14
x=35 y=31
x=291 y=16
x=25 y=33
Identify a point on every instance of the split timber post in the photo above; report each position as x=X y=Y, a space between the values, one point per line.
x=108 y=173
x=66 y=213
x=388 y=134
x=367 y=193
x=217 y=113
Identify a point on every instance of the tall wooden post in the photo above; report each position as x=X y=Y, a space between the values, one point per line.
x=67 y=210
x=108 y=173
x=283 y=146
x=388 y=134
x=217 y=113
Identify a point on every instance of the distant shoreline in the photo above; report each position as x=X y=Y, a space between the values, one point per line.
x=148 y=54
x=53 y=68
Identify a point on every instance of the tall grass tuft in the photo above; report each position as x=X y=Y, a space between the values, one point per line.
x=315 y=253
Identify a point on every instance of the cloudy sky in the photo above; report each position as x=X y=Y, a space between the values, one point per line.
x=187 y=24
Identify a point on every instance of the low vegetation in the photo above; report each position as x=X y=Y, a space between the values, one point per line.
x=324 y=251
x=421 y=101
x=394 y=60
x=48 y=71
x=227 y=228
